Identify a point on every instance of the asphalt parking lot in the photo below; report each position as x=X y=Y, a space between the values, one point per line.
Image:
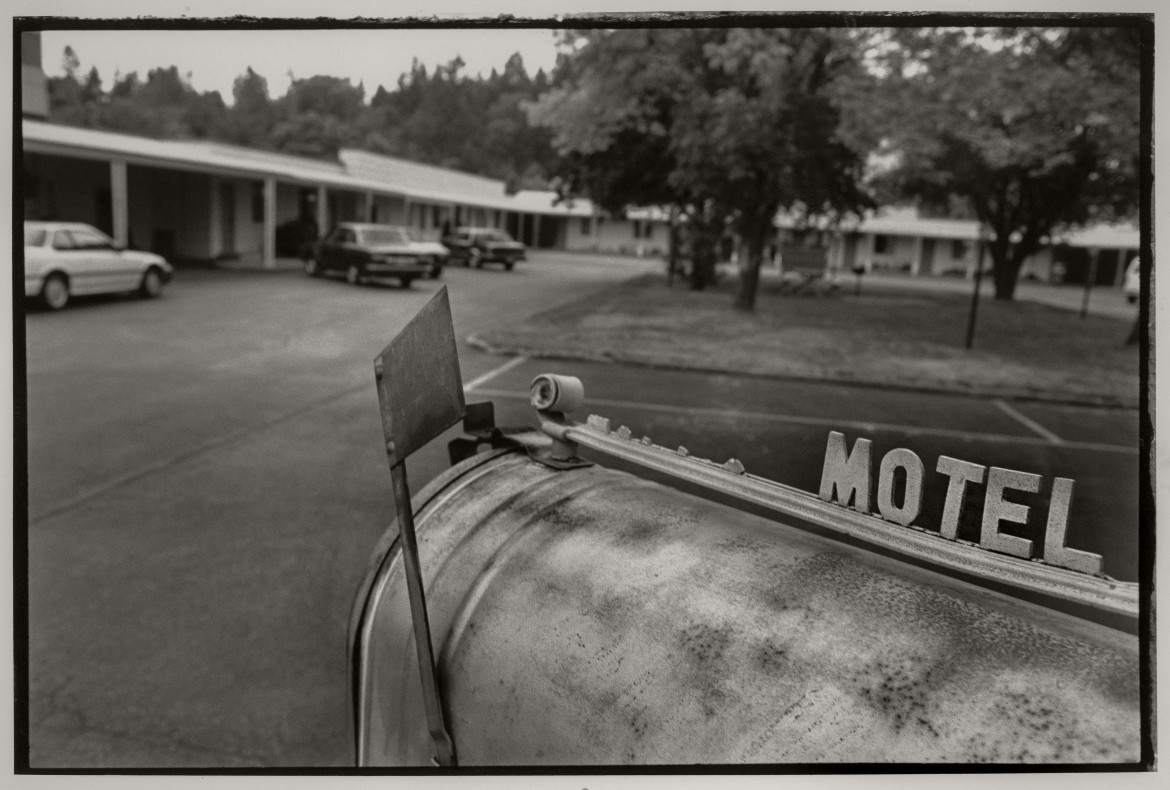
x=207 y=478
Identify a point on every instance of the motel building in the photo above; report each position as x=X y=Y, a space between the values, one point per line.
x=209 y=202
x=203 y=201
x=200 y=201
x=898 y=240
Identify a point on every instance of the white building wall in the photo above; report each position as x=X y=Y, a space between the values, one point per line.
x=615 y=236
x=249 y=228
x=1038 y=267
x=898 y=255
x=954 y=257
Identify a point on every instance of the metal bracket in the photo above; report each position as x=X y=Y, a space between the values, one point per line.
x=552 y=395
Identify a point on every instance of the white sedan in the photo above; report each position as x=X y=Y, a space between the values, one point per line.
x=65 y=259
x=1133 y=280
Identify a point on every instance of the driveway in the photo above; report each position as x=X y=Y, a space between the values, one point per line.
x=206 y=482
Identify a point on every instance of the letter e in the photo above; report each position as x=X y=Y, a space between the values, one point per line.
x=997 y=509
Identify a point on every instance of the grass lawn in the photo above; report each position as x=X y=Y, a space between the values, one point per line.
x=884 y=337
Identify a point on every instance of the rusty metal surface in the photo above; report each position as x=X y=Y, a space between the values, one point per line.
x=420 y=389
x=1106 y=594
x=589 y=617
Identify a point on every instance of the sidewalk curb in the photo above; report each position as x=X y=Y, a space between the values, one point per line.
x=1035 y=396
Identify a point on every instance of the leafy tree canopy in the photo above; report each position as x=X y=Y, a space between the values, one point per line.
x=443 y=118
x=735 y=123
x=1035 y=129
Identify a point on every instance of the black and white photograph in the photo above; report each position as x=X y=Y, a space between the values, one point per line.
x=567 y=394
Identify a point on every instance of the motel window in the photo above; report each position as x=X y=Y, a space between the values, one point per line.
x=586 y=226
x=958 y=249
x=881 y=244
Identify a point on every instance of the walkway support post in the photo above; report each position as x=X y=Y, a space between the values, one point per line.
x=119 y=202
x=268 y=251
x=322 y=212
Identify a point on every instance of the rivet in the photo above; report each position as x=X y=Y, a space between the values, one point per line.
x=390 y=447
x=624 y=432
x=734 y=466
x=684 y=452
x=646 y=440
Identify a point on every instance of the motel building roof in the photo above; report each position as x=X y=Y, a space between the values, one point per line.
x=358 y=171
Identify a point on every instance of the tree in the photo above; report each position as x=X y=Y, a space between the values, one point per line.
x=610 y=109
x=1036 y=129
x=725 y=123
x=251 y=117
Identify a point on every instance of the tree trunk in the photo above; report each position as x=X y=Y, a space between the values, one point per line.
x=1005 y=271
x=702 y=264
x=704 y=252
x=749 y=275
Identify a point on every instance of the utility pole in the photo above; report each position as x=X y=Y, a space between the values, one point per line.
x=1094 y=254
x=975 y=292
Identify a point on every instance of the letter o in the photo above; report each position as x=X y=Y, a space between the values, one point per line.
x=912 y=501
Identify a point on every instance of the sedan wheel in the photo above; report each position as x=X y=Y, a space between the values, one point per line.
x=55 y=292
x=353 y=275
x=151 y=284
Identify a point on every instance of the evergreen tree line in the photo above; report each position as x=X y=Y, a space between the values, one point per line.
x=446 y=118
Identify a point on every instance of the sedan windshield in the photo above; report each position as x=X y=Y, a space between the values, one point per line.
x=34 y=237
x=377 y=237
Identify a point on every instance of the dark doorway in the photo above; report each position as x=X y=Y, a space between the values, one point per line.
x=104 y=211
x=549 y=232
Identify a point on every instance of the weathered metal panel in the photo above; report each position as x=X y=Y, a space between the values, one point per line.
x=420 y=389
x=590 y=617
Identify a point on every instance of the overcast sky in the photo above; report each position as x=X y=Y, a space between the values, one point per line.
x=215 y=58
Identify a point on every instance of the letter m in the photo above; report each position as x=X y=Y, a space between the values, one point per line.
x=846 y=475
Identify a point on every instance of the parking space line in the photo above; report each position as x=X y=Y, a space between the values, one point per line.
x=794 y=419
x=491 y=374
x=1028 y=422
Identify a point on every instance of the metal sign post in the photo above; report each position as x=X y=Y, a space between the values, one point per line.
x=432 y=702
x=420 y=394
